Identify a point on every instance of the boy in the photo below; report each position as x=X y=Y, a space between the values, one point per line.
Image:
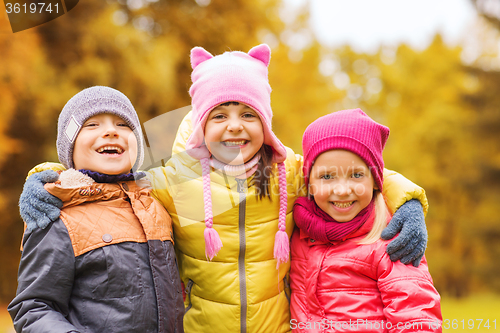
x=108 y=263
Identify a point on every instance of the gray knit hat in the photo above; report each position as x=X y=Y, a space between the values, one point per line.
x=86 y=104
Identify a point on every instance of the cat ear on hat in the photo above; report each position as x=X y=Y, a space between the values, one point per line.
x=261 y=52
x=199 y=55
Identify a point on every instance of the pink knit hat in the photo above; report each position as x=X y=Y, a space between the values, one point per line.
x=231 y=77
x=234 y=77
x=350 y=130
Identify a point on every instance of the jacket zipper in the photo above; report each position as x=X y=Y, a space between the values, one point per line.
x=188 y=293
x=241 y=258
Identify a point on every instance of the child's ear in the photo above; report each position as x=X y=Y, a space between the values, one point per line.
x=199 y=55
x=261 y=52
x=309 y=195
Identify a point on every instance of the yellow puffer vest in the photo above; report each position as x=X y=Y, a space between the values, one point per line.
x=240 y=290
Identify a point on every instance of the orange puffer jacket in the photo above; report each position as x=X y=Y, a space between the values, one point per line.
x=106 y=265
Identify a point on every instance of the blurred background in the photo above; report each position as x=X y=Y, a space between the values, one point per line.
x=430 y=70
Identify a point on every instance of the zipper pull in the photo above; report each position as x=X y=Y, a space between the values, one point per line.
x=242 y=185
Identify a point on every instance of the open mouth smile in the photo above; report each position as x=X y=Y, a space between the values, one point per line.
x=234 y=143
x=343 y=204
x=110 y=150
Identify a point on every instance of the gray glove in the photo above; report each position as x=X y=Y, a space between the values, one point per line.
x=38 y=207
x=409 y=221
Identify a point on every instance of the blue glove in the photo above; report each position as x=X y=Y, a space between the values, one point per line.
x=38 y=207
x=409 y=221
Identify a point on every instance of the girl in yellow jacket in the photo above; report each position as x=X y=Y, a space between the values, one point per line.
x=230 y=188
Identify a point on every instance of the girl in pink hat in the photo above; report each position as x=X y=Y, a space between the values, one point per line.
x=342 y=279
x=230 y=187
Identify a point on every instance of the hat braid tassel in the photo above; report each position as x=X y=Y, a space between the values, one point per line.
x=212 y=240
x=281 y=241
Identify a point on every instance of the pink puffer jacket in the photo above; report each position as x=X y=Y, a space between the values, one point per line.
x=347 y=287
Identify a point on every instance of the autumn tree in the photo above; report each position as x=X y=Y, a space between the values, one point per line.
x=485 y=71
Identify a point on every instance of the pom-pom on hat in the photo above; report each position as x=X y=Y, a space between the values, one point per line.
x=350 y=130
x=231 y=77
x=86 y=104
x=234 y=77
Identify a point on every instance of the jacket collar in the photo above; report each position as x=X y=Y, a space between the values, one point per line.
x=75 y=188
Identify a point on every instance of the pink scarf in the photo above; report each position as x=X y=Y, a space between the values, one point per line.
x=321 y=226
x=239 y=171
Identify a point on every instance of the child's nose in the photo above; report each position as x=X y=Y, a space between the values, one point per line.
x=110 y=131
x=234 y=125
x=342 y=188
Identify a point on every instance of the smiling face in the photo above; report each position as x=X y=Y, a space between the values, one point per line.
x=341 y=184
x=105 y=144
x=233 y=133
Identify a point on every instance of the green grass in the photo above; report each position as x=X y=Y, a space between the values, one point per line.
x=475 y=307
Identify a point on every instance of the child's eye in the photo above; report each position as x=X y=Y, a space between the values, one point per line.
x=123 y=124
x=249 y=115
x=357 y=175
x=326 y=177
x=90 y=124
x=218 y=116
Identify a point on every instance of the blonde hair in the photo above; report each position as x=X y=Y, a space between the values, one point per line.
x=380 y=222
